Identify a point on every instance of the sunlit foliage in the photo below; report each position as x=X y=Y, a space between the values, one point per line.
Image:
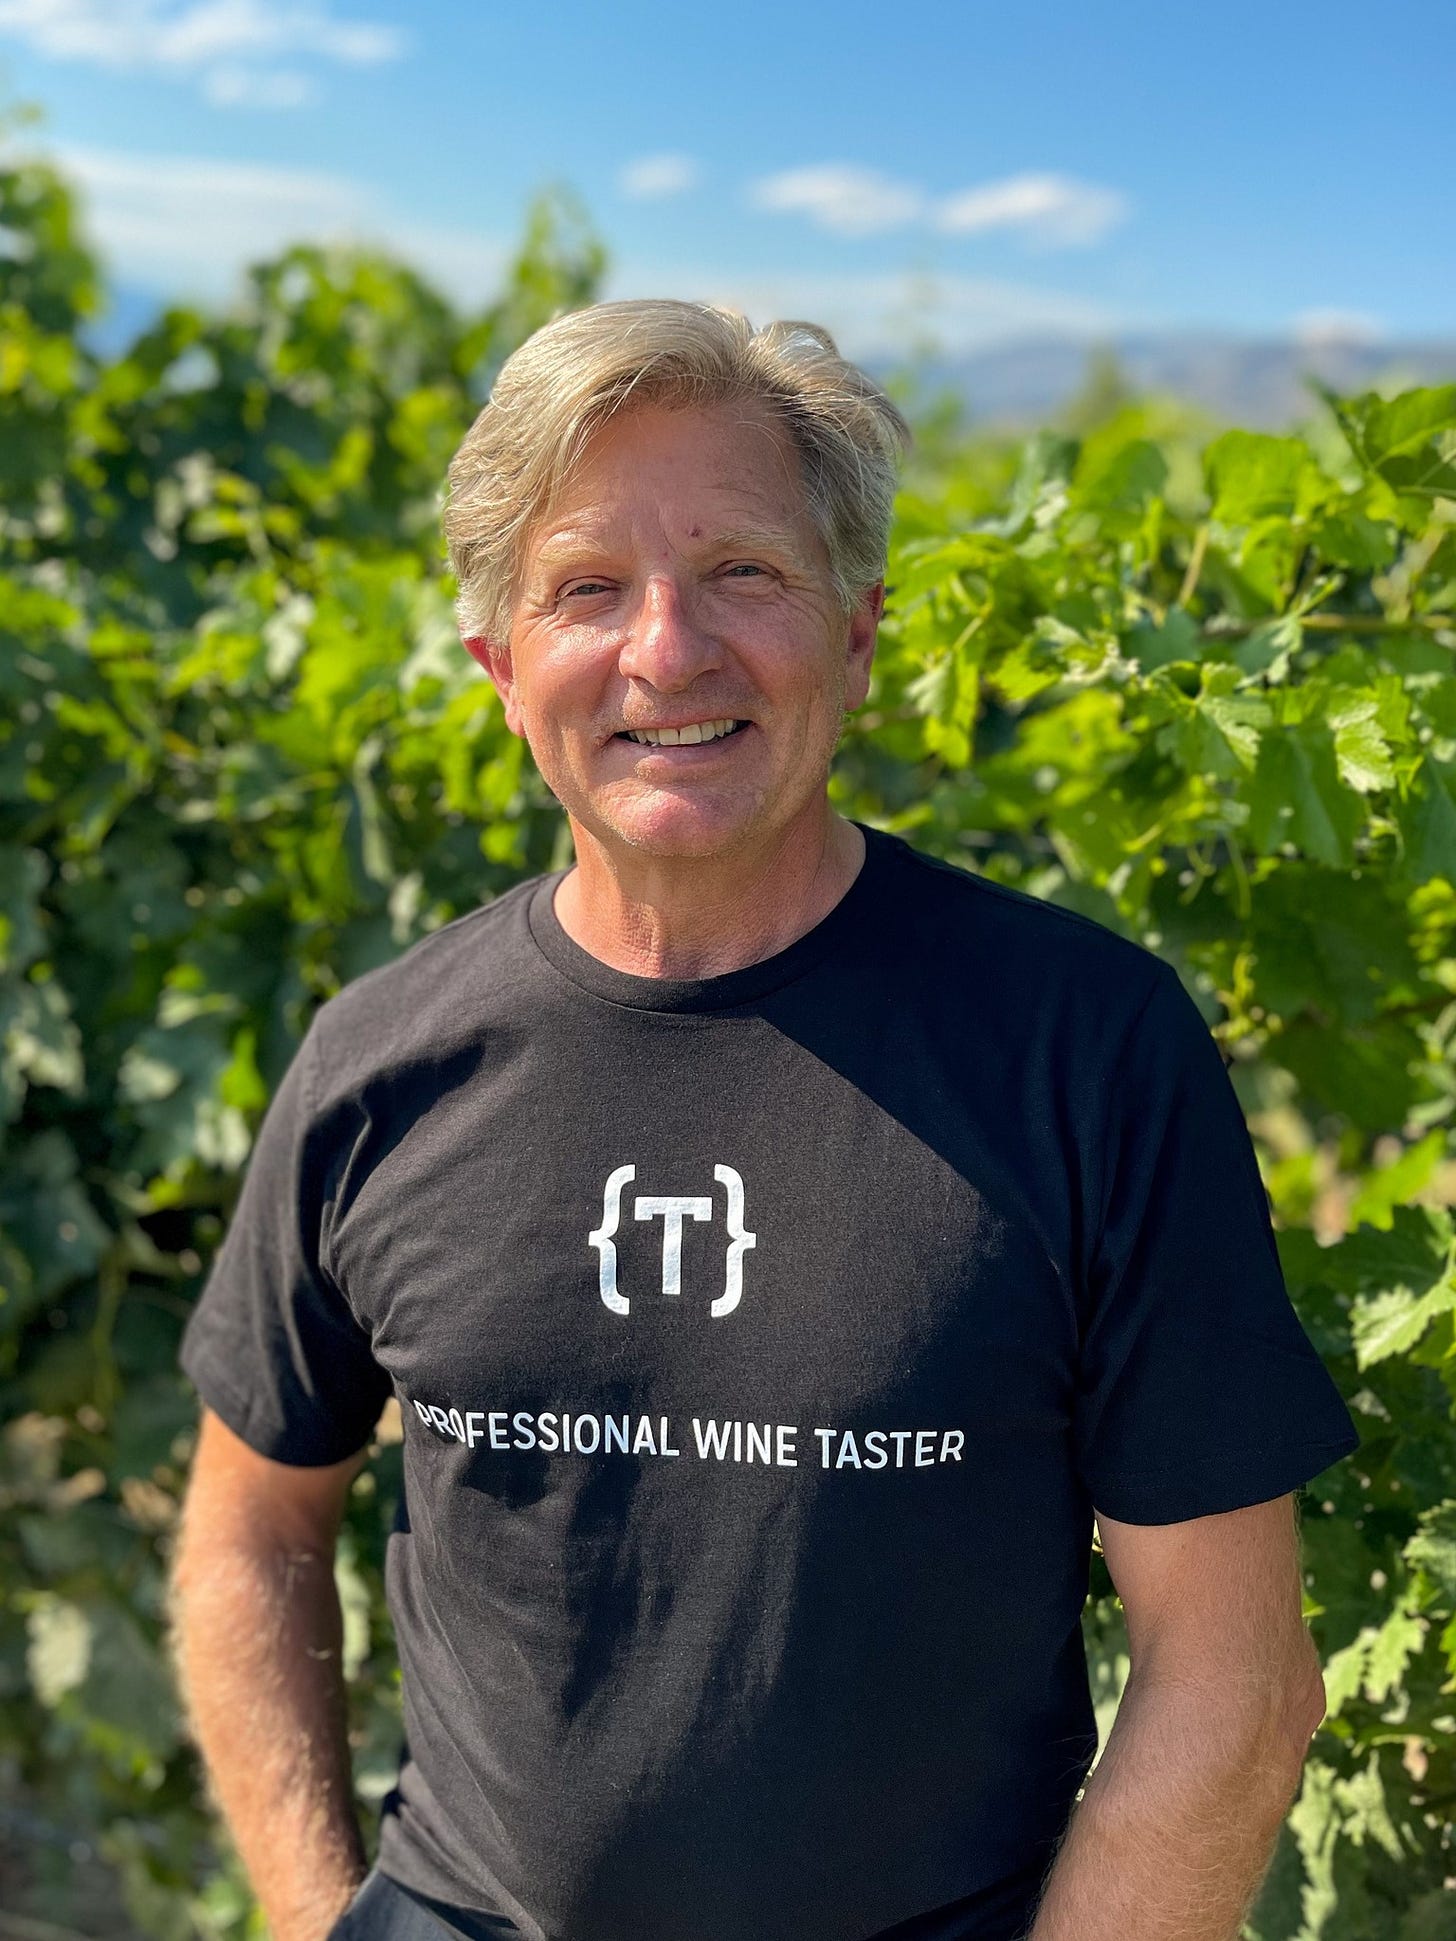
x=1198 y=688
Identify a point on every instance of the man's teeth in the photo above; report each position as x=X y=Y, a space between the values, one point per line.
x=675 y=737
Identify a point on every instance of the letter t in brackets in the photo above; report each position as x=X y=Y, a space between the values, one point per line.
x=672 y=1212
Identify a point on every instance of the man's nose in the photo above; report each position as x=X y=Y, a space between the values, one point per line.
x=666 y=646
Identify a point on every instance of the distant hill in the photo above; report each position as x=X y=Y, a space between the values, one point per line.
x=1255 y=381
x=1238 y=380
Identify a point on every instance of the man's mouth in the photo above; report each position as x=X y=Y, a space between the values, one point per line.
x=691 y=734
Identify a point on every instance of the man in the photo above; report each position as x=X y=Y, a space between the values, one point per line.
x=781 y=1244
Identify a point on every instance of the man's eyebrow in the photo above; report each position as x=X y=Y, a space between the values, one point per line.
x=562 y=545
x=774 y=539
x=568 y=545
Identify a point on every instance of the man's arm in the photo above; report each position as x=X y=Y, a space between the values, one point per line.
x=1177 y=1825
x=257 y=1636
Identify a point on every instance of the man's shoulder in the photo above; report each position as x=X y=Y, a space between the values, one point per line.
x=1033 y=943
x=440 y=988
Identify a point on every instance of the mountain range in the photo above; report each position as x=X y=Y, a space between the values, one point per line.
x=1251 y=381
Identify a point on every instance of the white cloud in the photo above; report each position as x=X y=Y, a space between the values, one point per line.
x=651 y=177
x=241 y=87
x=1046 y=210
x=229 y=47
x=839 y=196
x=884 y=314
x=188 y=226
x=1054 y=210
x=1316 y=328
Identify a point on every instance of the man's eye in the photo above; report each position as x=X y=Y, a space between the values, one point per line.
x=586 y=586
x=745 y=566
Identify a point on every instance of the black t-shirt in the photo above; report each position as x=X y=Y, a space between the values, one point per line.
x=764 y=1343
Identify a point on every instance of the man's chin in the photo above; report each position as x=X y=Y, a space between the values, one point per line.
x=667 y=824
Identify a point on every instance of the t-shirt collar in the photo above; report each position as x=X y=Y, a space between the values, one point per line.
x=728 y=989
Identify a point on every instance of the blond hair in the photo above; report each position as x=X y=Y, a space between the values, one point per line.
x=559 y=386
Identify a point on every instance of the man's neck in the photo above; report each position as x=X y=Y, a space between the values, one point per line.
x=701 y=917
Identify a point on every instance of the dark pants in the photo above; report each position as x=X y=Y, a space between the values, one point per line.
x=381 y=1910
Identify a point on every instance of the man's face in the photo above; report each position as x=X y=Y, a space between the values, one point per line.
x=678 y=581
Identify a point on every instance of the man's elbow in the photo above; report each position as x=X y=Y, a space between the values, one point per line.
x=1303 y=1703
x=1316 y=1700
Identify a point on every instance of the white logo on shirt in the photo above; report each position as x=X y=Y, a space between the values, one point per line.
x=672 y=1210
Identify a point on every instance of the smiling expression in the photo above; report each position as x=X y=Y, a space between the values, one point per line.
x=678 y=582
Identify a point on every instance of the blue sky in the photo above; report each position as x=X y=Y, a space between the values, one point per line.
x=966 y=172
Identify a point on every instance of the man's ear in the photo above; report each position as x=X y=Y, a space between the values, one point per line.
x=864 y=623
x=495 y=657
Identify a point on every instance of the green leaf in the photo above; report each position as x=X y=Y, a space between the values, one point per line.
x=1430 y=1917
x=1409 y=441
x=1391 y=1186
x=23 y=874
x=130 y=1703
x=1433 y=1548
x=1229 y=724
x=1427 y=821
x=1413 y=1252
x=1175 y=638
x=1394 y=1320
x=1335 y=959
x=1353 y=540
x=1298 y=797
x=1392 y=1323
x=354 y=1603
x=1366 y=1812
x=1390 y=1651
x=39 y=1040
x=1362 y=752
x=1124 y=480
x=59 y=1654
x=1344 y=1673
x=1251 y=475
x=1267 y=650
x=1040 y=487
x=47 y=1218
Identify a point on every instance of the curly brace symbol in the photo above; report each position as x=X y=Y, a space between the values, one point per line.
x=740 y=1240
x=604 y=1239
x=672 y=1210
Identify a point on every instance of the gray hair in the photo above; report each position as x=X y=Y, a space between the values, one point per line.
x=559 y=386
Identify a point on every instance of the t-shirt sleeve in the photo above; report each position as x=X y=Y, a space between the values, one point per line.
x=272 y=1345
x=1198 y=1389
